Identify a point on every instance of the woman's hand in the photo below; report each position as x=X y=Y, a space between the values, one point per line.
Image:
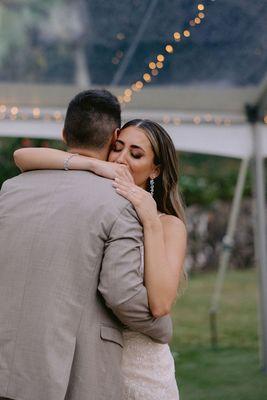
x=111 y=170
x=142 y=201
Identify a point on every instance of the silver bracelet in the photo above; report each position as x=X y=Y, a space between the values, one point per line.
x=66 y=162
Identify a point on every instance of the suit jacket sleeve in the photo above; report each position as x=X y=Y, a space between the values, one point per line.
x=121 y=279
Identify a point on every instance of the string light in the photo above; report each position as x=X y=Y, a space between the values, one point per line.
x=152 y=65
x=177 y=36
x=157 y=64
x=120 y=36
x=169 y=48
x=128 y=92
x=160 y=58
x=166 y=119
x=14 y=113
x=197 y=120
x=127 y=99
x=3 y=108
x=147 y=77
x=36 y=112
x=186 y=33
x=208 y=117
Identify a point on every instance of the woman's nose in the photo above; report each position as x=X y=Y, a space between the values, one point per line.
x=121 y=159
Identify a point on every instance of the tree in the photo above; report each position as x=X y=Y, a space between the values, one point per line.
x=54 y=22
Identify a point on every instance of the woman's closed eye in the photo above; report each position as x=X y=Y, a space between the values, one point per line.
x=136 y=155
x=117 y=147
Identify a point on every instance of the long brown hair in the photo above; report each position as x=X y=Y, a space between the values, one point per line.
x=166 y=190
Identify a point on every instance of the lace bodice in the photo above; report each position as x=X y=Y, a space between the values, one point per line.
x=148 y=369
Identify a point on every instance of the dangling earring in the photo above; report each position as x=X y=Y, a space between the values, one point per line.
x=152 y=184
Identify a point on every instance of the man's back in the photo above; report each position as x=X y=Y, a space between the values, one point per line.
x=57 y=337
x=53 y=227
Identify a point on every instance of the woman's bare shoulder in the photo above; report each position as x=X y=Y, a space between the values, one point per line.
x=173 y=224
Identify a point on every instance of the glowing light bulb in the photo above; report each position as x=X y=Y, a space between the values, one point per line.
x=152 y=65
x=128 y=92
x=57 y=116
x=3 y=108
x=147 y=77
x=155 y=72
x=197 y=120
x=201 y=15
x=208 y=117
x=186 y=33
x=36 y=112
x=14 y=110
x=166 y=119
x=139 y=85
x=169 y=48
x=200 y=7
x=177 y=36
x=197 y=20
x=120 y=36
x=159 y=65
x=160 y=58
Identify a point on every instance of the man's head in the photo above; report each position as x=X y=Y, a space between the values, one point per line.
x=92 y=118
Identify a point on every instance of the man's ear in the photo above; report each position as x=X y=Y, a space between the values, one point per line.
x=156 y=172
x=63 y=135
x=115 y=135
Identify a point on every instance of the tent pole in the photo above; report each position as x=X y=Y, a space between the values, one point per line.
x=130 y=52
x=260 y=227
x=226 y=250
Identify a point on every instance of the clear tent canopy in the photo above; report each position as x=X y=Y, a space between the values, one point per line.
x=197 y=67
x=185 y=64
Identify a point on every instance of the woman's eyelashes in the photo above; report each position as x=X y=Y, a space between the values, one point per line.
x=118 y=147
x=136 y=155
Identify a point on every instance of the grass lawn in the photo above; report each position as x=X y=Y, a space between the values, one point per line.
x=232 y=371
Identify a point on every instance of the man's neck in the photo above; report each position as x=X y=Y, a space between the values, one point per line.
x=98 y=154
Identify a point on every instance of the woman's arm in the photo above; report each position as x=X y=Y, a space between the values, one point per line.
x=165 y=240
x=165 y=247
x=28 y=159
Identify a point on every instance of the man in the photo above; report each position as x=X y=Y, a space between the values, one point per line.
x=70 y=271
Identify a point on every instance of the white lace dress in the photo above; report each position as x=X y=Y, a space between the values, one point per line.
x=148 y=369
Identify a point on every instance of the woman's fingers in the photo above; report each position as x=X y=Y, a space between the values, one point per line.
x=126 y=186
x=128 y=195
x=124 y=174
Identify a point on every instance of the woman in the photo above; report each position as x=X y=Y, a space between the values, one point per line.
x=142 y=160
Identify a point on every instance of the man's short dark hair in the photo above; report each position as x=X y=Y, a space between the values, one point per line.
x=92 y=116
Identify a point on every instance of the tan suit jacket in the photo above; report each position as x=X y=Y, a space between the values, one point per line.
x=71 y=261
